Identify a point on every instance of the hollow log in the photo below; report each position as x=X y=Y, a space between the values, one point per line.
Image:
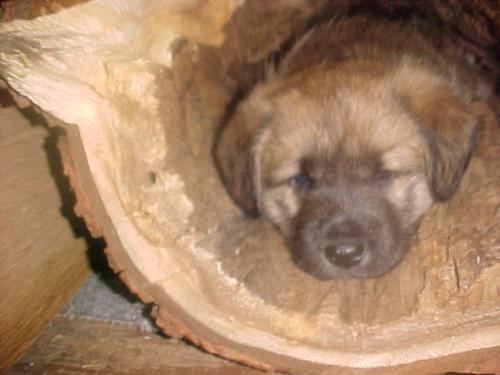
x=138 y=156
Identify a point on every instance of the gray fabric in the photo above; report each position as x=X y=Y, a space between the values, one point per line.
x=105 y=297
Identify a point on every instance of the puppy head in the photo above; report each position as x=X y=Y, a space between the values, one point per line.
x=342 y=166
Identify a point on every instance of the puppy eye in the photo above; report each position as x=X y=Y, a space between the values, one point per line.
x=385 y=175
x=300 y=182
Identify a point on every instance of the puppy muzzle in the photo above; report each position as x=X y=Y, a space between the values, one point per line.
x=354 y=239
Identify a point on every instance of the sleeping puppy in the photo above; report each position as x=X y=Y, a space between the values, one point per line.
x=360 y=128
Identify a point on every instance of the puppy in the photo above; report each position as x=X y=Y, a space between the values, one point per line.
x=361 y=127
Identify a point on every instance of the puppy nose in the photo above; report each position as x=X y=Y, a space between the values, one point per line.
x=345 y=254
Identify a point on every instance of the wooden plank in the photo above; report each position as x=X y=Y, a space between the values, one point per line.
x=42 y=262
x=80 y=346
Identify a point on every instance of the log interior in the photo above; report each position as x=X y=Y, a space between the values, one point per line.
x=169 y=186
x=178 y=239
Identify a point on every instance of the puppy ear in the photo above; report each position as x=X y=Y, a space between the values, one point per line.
x=449 y=125
x=235 y=152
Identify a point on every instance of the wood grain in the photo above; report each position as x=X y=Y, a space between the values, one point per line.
x=96 y=347
x=42 y=262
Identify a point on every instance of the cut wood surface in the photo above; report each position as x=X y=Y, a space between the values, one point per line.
x=42 y=263
x=81 y=346
x=142 y=168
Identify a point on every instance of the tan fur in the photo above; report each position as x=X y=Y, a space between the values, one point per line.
x=353 y=90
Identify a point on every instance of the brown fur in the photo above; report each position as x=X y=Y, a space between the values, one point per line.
x=375 y=123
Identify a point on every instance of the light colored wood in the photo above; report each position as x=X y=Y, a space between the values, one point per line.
x=94 y=347
x=42 y=263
